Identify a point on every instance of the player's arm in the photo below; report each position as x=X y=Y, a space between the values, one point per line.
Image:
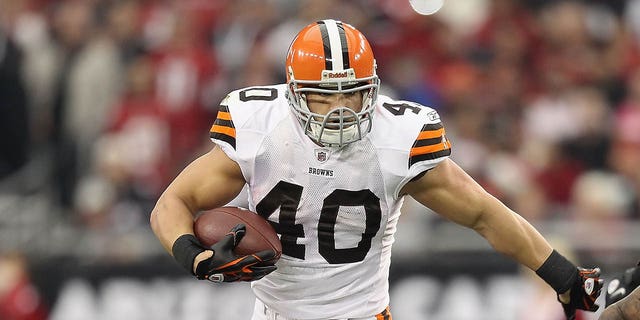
x=452 y=193
x=626 y=309
x=623 y=296
x=210 y=181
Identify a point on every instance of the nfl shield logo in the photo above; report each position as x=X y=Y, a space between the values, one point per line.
x=322 y=155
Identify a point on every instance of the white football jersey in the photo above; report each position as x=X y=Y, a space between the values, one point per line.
x=335 y=210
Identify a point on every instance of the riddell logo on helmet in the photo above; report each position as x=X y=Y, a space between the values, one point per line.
x=337 y=75
x=341 y=75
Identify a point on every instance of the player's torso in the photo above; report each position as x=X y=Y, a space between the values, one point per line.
x=328 y=204
x=335 y=209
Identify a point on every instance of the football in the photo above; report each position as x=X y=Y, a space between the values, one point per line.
x=211 y=226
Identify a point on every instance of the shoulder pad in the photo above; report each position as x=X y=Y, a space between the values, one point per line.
x=417 y=126
x=239 y=106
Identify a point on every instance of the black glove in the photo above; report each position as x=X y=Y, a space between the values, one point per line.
x=584 y=292
x=226 y=266
x=622 y=285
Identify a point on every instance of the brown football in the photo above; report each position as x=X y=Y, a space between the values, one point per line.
x=211 y=226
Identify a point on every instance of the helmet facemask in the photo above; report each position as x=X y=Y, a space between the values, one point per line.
x=341 y=125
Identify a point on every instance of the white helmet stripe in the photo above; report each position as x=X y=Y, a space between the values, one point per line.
x=335 y=44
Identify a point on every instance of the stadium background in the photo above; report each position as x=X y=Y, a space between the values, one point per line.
x=103 y=102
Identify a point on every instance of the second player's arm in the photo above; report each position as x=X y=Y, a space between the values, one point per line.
x=453 y=194
x=626 y=309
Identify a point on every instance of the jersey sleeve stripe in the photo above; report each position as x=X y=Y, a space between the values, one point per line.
x=430 y=144
x=429 y=156
x=223 y=123
x=224 y=115
x=427 y=149
x=432 y=126
x=217 y=129
x=223 y=128
x=431 y=134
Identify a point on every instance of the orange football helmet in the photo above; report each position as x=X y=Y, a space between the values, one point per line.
x=332 y=57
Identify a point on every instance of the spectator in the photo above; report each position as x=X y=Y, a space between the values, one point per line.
x=14 y=115
x=19 y=298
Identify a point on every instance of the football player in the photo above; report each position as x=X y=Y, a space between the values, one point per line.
x=328 y=161
x=623 y=296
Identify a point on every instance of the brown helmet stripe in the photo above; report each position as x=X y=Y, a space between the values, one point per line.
x=328 y=61
x=345 y=47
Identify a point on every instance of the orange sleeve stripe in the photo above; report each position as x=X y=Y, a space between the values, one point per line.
x=224 y=115
x=224 y=130
x=431 y=134
x=429 y=149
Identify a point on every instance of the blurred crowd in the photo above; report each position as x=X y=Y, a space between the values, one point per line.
x=103 y=102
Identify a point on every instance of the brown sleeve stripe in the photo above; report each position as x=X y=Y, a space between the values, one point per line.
x=430 y=134
x=429 y=156
x=427 y=142
x=432 y=126
x=430 y=144
x=223 y=128
x=223 y=123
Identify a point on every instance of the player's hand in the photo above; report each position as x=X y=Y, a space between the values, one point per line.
x=622 y=285
x=226 y=266
x=583 y=294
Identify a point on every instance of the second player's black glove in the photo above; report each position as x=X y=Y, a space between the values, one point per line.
x=226 y=266
x=622 y=285
x=584 y=292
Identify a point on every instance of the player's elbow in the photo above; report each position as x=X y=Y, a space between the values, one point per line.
x=480 y=215
x=155 y=218
x=504 y=238
x=483 y=227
